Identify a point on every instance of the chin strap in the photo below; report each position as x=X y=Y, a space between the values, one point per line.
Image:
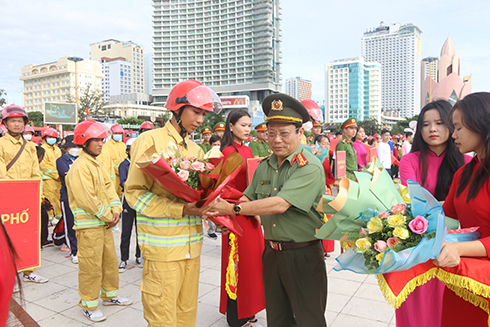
x=89 y=152
x=14 y=135
x=183 y=132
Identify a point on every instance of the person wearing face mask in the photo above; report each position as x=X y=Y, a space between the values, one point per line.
x=63 y=164
x=117 y=149
x=28 y=133
x=49 y=173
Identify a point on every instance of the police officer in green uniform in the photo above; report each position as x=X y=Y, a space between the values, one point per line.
x=345 y=144
x=206 y=135
x=219 y=129
x=259 y=145
x=285 y=191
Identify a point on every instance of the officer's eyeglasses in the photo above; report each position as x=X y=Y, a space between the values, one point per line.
x=282 y=135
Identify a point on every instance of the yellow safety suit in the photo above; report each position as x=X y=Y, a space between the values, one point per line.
x=170 y=243
x=118 y=154
x=105 y=158
x=93 y=202
x=26 y=166
x=51 y=183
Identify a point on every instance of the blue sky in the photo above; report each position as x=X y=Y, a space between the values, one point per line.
x=315 y=32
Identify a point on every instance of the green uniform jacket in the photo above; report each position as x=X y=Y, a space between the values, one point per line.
x=351 y=166
x=302 y=184
x=260 y=147
x=205 y=146
x=310 y=140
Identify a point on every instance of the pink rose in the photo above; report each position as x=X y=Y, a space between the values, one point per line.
x=173 y=161
x=398 y=208
x=209 y=166
x=185 y=165
x=192 y=159
x=392 y=242
x=183 y=174
x=384 y=215
x=380 y=246
x=419 y=225
x=198 y=166
x=363 y=232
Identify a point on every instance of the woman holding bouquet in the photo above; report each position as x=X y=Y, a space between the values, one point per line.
x=242 y=291
x=432 y=162
x=467 y=201
x=169 y=233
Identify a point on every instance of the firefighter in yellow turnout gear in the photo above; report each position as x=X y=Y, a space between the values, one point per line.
x=117 y=150
x=51 y=179
x=96 y=210
x=169 y=229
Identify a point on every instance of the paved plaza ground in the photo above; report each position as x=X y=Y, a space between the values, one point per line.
x=353 y=300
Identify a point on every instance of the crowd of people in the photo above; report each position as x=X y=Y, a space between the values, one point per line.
x=91 y=181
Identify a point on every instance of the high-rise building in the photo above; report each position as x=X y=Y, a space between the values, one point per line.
x=428 y=68
x=397 y=48
x=298 y=88
x=232 y=46
x=149 y=73
x=352 y=89
x=131 y=52
x=55 y=81
x=117 y=77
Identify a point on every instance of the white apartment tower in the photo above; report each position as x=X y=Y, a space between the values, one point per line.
x=298 y=88
x=113 y=49
x=117 y=77
x=352 y=89
x=428 y=67
x=397 y=48
x=232 y=46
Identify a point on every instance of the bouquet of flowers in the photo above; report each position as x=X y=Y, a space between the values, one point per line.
x=192 y=179
x=395 y=229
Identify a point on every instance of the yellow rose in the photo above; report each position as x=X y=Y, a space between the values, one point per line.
x=346 y=245
x=362 y=245
x=375 y=225
x=379 y=257
x=396 y=221
x=401 y=233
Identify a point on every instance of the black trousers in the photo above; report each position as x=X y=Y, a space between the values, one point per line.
x=128 y=217
x=295 y=286
x=44 y=224
x=69 y=220
x=232 y=314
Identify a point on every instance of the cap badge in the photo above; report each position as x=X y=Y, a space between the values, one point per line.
x=276 y=105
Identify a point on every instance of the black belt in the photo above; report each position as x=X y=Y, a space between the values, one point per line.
x=283 y=246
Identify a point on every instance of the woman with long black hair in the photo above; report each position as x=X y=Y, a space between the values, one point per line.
x=432 y=162
x=242 y=290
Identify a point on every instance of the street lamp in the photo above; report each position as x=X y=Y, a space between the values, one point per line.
x=75 y=60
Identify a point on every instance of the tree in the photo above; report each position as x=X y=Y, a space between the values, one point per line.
x=36 y=118
x=89 y=98
x=211 y=120
x=2 y=99
x=130 y=121
x=399 y=128
x=371 y=126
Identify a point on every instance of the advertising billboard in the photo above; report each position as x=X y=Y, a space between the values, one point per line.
x=60 y=113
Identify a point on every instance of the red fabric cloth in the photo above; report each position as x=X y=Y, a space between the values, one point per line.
x=250 y=289
x=329 y=178
x=475 y=212
x=7 y=278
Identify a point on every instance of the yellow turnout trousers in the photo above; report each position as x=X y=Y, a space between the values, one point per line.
x=51 y=190
x=169 y=292
x=98 y=268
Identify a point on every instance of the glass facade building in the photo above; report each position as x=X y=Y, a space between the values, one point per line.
x=352 y=89
x=232 y=46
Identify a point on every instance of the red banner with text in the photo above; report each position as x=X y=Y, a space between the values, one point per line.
x=20 y=212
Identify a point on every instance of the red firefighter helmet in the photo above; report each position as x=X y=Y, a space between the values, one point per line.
x=116 y=128
x=28 y=128
x=51 y=132
x=146 y=125
x=89 y=129
x=14 y=110
x=193 y=93
x=313 y=109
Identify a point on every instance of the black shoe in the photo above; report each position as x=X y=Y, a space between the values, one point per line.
x=46 y=244
x=213 y=236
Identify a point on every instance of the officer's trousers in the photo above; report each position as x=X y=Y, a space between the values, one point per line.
x=295 y=286
x=169 y=292
x=97 y=263
x=128 y=218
